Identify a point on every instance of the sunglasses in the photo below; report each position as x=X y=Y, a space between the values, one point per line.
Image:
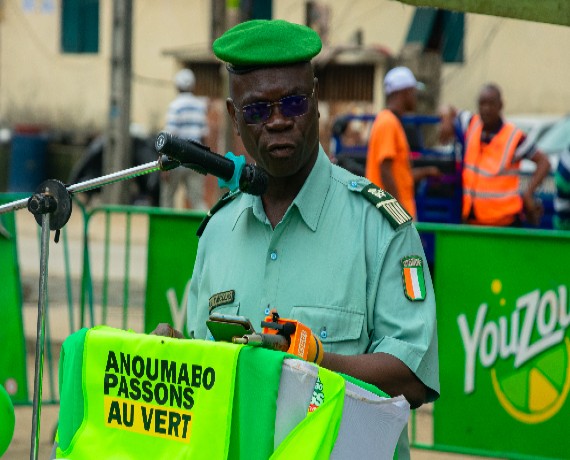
x=289 y=106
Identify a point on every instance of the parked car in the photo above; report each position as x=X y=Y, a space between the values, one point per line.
x=540 y=127
x=555 y=140
x=143 y=190
x=533 y=125
x=551 y=137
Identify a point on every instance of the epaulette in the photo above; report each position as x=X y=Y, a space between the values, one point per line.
x=225 y=199
x=387 y=204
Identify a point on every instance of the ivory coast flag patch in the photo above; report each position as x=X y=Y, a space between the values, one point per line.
x=413 y=278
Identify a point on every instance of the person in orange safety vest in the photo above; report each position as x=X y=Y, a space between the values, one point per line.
x=493 y=150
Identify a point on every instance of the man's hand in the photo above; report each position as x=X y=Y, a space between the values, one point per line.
x=423 y=172
x=166 y=330
x=446 y=131
x=533 y=209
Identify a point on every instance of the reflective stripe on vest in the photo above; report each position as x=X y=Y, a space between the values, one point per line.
x=490 y=179
x=147 y=395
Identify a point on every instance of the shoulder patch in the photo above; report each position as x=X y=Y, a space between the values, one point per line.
x=225 y=199
x=387 y=204
x=413 y=278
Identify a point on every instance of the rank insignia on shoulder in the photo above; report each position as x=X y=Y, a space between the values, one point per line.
x=413 y=278
x=387 y=204
x=221 y=298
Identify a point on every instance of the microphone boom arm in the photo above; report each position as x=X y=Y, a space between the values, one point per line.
x=162 y=164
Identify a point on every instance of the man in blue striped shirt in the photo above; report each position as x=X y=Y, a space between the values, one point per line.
x=186 y=118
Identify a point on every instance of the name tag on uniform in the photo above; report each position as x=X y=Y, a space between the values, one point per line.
x=221 y=298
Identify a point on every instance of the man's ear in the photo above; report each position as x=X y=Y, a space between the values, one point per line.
x=232 y=112
x=316 y=95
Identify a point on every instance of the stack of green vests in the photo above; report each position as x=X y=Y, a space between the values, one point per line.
x=128 y=395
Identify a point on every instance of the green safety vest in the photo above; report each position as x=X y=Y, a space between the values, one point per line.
x=127 y=395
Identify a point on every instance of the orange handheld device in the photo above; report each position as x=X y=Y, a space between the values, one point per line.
x=302 y=341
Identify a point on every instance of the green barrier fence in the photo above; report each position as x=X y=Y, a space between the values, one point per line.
x=502 y=305
x=13 y=372
x=504 y=342
x=152 y=286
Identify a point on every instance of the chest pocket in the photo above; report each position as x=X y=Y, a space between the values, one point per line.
x=340 y=330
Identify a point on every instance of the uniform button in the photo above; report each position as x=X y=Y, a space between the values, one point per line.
x=273 y=255
x=267 y=311
x=323 y=334
x=353 y=183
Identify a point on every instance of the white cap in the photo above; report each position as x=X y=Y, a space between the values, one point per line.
x=400 y=78
x=185 y=80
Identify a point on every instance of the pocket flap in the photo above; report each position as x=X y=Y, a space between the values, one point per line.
x=330 y=324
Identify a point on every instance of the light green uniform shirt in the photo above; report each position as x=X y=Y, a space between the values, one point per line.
x=333 y=263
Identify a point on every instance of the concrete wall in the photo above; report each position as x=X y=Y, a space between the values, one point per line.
x=38 y=84
x=528 y=60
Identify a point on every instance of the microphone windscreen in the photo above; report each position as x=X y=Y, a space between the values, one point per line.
x=253 y=180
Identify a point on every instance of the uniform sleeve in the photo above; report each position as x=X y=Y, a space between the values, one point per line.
x=403 y=327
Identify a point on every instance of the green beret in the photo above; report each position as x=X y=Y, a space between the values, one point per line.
x=260 y=43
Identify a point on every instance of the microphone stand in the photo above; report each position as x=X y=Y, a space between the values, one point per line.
x=51 y=207
x=164 y=163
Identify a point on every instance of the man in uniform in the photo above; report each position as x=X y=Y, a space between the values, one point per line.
x=321 y=245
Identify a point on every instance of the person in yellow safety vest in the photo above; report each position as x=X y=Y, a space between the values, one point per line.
x=491 y=166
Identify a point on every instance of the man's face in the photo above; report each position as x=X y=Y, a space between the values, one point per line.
x=281 y=145
x=490 y=106
x=411 y=99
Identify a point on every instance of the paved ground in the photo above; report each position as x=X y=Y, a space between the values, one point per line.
x=59 y=327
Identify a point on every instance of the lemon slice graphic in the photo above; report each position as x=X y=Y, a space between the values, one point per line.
x=536 y=392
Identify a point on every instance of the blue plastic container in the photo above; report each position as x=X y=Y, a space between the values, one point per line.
x=27 y=160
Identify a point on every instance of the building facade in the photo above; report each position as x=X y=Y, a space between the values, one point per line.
x=69 y=90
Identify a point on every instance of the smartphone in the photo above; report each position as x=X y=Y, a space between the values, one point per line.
x=225 y=327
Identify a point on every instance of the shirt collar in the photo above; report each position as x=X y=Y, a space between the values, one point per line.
x=309 y=201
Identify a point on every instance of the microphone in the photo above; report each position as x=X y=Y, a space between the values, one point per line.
x=232 y=172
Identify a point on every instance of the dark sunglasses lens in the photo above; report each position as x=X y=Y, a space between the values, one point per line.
x=294 y=106
x=256 y=113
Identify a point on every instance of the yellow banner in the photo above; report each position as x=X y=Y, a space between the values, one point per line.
x=147 y=419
